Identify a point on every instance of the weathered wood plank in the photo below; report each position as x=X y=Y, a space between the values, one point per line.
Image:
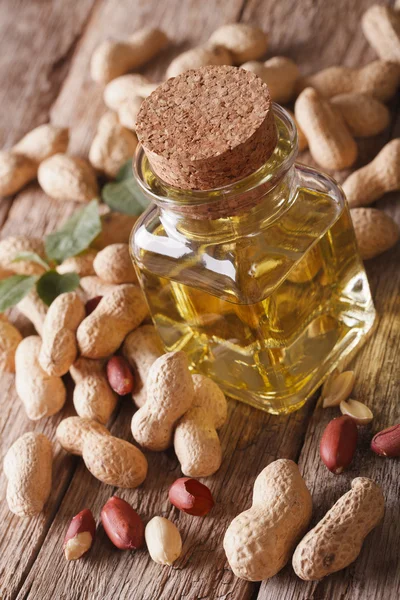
x=309 y=33
x=33 y=64
x=79 y=106
x=375 y=573
x=38 y=39
x=35 y=58
x=249 y=444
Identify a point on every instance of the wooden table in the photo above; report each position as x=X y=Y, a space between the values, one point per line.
x=46 y=47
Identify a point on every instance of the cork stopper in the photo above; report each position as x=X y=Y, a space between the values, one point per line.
x=208 y=127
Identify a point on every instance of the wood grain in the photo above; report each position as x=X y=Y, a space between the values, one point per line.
x=201 y=571
x=33 y=63
x=51 y=78
x=38 y=40
x=375 y=574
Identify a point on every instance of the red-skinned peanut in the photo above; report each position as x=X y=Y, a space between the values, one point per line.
x=80 y=535
x=191 y=496
x=338 y=443
x=387 y=442
x=119 y=375
x=122 y=524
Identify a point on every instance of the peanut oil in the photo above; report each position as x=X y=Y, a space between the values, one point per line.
x=266 y=302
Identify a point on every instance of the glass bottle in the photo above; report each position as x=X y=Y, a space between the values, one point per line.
x=266 y=299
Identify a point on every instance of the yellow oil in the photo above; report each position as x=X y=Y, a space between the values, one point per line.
x=266 y=316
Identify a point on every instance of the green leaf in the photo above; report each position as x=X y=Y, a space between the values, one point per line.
x=14 y=288
x=33 y=257
x=125 y=196
x=126 y=171
x=76 y=235
x=52 y=284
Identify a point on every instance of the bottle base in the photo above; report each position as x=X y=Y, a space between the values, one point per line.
x=341 y=354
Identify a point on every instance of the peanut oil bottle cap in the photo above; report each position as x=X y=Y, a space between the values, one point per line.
x=208 y=127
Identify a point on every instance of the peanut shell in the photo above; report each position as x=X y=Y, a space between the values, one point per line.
x=28 y=468
x=336 y=541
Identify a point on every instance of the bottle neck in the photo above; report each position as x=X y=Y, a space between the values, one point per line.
x=263 y=208
x=260 y=195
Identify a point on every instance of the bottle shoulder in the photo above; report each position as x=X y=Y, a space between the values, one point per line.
x=240 y=260
x=317 y=202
